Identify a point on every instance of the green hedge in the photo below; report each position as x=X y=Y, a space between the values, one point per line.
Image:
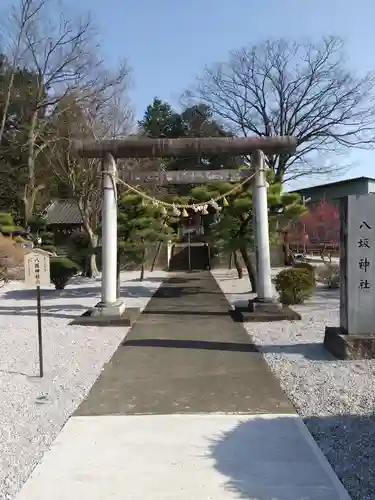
x=308 y=267
x=49 y=248
x=62 y=270
x=295 y=285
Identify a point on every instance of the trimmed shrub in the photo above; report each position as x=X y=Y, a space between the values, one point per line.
x=49 y=248
x=37 y=223
x=329 y=275
x=48 y=238
x=307 y=266
x=62 y=269
x=304 y=265
x=6 y=219
x=7 y=227
x=19 y=239
x=295 y=285
x=79 y=249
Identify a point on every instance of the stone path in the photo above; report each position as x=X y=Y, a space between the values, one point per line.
x=185 y=409
x=186 y=355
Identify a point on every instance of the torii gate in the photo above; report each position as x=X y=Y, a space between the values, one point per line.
x=140 y=147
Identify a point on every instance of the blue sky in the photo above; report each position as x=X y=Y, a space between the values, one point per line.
x=169 y=42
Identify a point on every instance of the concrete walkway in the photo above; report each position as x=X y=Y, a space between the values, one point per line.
x=186 y=409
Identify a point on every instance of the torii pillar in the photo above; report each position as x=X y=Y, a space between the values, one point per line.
x=110 y=305
x=262 y=240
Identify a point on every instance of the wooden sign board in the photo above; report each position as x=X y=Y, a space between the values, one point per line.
x=37 y=269
x=183 y=176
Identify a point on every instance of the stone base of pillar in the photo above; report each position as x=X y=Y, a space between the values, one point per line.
x=104 y=309
x=257 y=310
x=351 y=347
x=264 y=305
x=108 y=315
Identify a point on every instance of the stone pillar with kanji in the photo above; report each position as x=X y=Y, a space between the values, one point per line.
x=355 y=336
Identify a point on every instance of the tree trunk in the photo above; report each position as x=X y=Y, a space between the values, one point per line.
x=31 y=190
x=291 y=257
x=237 y=264
x=92 y=269
x=160 y=243
x=250 y=268
x=230 y=261
x=30 y=193
x=158 y=248
x=29 y=198
x=7 y=99
x=142 y=276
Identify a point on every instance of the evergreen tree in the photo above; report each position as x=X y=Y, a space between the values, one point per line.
x=161 y=121
x=7 y=225
x=140 y=225
x=232 y=228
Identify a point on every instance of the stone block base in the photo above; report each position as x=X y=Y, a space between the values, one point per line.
x=351 y=347
x=256 y=311
x=91 y=317
x=104 y=309
x=268 y=306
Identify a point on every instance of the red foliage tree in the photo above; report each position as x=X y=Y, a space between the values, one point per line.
x=319 y=226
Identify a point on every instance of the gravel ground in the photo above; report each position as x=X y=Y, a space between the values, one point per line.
x=33 y=410
x=336 y=399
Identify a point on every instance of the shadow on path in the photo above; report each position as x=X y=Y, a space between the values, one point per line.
x=59 y=311
x=309 y=350
x=257 y=464
x=15 y=372
x=191 y=344
x=72 y=292
x=187 y=312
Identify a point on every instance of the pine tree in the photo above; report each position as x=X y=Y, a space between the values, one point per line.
x=232 y=228
x=160 y=120
x=140 y=225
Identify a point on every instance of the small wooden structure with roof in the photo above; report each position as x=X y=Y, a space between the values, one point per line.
x=63 y=217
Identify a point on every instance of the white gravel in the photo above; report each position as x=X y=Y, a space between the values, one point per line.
x=335 y=398
x=33 y=410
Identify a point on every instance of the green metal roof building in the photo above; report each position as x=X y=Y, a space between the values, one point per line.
x=334 y=190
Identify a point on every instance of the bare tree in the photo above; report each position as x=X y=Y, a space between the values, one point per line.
x=60 y=53
x=19 y=19
x=82 y=180
x=307 y=90
x=107 y=115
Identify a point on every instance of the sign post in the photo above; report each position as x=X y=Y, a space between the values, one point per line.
x=357 y=289
x=37 y=274
x=355 y=337
x=184 y=176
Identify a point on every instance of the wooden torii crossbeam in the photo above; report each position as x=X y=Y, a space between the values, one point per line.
x=146 y=147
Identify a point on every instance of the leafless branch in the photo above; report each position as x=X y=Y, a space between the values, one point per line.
x=61 y=55
x=19 y=20
x=106 y=115
x=287 y=88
